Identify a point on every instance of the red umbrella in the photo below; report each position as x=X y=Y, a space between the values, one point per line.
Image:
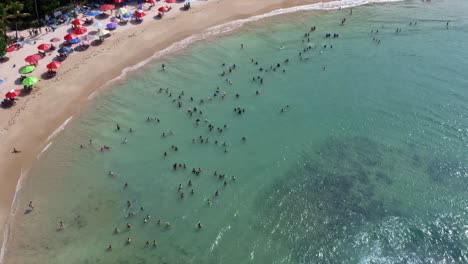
x=80 y=31
x=43 y=47
x=78 y=22
x=118 y=1
x=170 y=1
x=69 y=37
x=162 y=9
x=151 y=1
x=10 y=49
x=33 y=58
x=140 y=14
x=107 y=7
x=54 y=65
x=12 y=94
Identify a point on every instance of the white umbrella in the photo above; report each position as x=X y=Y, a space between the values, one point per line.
x=102 y=32
x=121 y=11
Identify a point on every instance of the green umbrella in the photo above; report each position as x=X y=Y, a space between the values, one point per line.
x=27 y=69
x=30 y=80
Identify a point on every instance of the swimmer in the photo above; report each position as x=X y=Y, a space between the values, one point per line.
x=61 y=226
x=209 y=202
x=129 y=226
x=147 y=243
x=129 y=240
x=125 y=141
x=116 y=230
x=199 y=225
x=155 y=244
x=109 y=248
x=217 y=193
x=111 y=173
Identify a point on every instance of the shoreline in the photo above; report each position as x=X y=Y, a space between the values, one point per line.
x=21 y=123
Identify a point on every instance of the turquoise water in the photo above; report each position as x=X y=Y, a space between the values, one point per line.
x=368 y=164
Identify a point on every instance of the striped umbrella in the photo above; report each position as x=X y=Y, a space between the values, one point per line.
x=87 y=38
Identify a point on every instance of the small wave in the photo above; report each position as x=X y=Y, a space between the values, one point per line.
x=13 y=209
x=59 y=129
x=44 y=150
x=219 y=236
x=230 y=26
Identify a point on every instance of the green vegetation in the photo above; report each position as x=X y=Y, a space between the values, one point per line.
x=3 y=46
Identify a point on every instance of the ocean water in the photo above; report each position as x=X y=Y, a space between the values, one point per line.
x=367 y=162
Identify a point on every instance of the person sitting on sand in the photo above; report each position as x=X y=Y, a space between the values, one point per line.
x=15 y=151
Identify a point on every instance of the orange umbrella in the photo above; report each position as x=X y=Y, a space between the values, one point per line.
x=78 y=22
x=80 y=31
x=43 y=47
x=33 y=58
x=54 y=65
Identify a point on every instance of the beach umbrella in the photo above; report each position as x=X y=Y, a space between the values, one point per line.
x=10 y=49
x=12 y=93
x=162 y=9
x=151 y=1
x=115 y=20
x=127 y=15
x=107 y=7
x=31 y=80
x=111 y=26
x=78 y=22
x=54 y=40
x=69 y=37
x=87 y=38
x=80 y=31
x=43 y=47
x=170 y=1
x=33 y=58
x=102 y=32
x=121 y=11
x=74 y=41
x=54 y=65
x=118 y=1
x=1 y=81
x=27 y=69
x=65 y=49
x=93 y=13
x=140 y=14
x=97 y=25
x=142 y=7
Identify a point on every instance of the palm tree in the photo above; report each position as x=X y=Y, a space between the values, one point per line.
x=14 y=9
x=3 y=21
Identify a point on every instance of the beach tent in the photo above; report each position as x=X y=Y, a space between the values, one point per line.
x=27 y=69
x=69 y=37
x=78 y=22
x=44 y=47
x=107 y=7
x=54 y=65
x=33 y=58
x=30 y=80
x=12 y=94
x=80 y=31
x=65 y=49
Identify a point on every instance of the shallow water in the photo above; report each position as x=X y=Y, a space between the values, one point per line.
x=368 y=164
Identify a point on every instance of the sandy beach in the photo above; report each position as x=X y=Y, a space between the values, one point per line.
x=28 y=124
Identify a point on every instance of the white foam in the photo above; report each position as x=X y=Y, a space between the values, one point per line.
x=44 y=150
x=13 y=209
x=219 y=236
x=230 y=26
x=59 y=129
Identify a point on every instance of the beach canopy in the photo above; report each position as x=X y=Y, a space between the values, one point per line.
x=54 y=40
x=12 y=93
x=97 y=25
x=33 y=58
x=65 y=49
x=43 y=47
x=74 y=41
x=27 y=69
x=111 y=26
x=69 y=37
x=162 y=9
x=87 y=38
x=80 y=31
x=102 y=32
x=10 y=49
x=93 y=13
x=78 y=22
x=30 y=80
x=54 y=65
x=140 y=14
x=121 y=11
x=170 y=1
x=107 y=7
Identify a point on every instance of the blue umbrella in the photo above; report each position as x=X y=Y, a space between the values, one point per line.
x=93 y=13
x=74 y=41
x=111 y=26
x=65 y=50
x=1 y=81
x=128 y=15
x=97 y=25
